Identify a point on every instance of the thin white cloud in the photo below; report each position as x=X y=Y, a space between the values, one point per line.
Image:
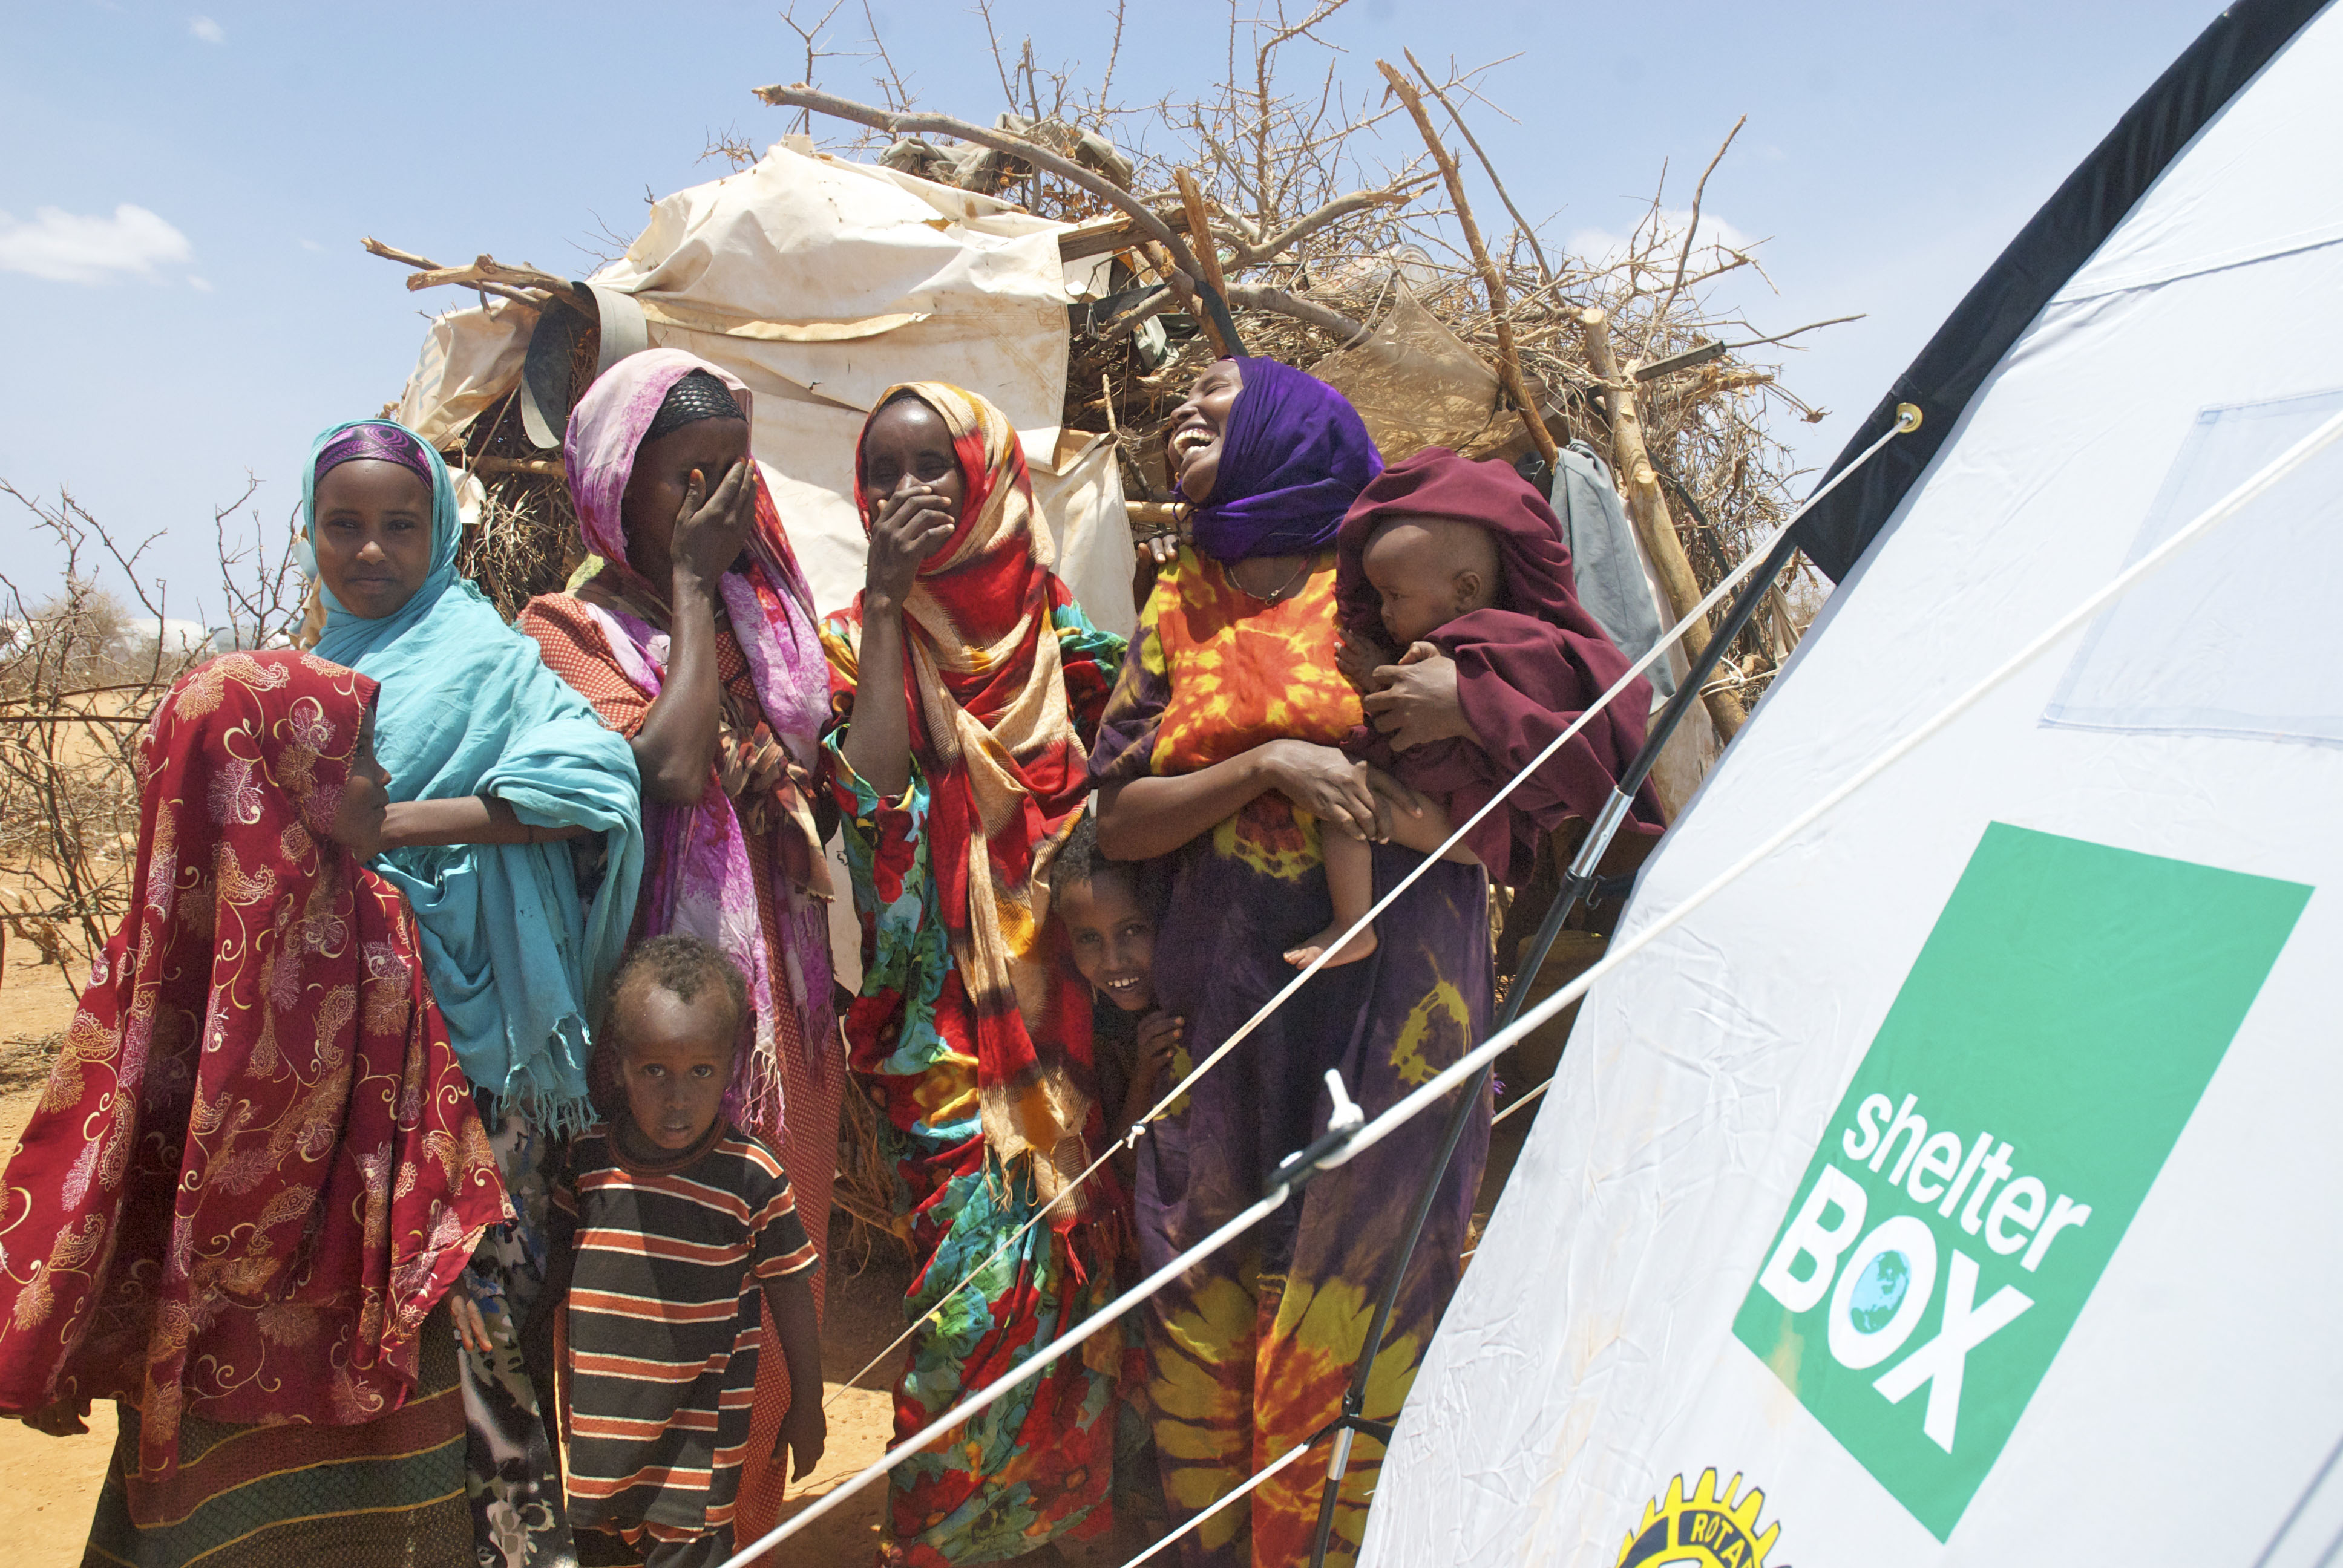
x=1603 y=247
x=66 y=248
x=209 y=31
x=311 y=244
x=200 y=285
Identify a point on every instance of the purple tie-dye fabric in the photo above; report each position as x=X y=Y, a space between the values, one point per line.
x=379 y=442
x=698 y=880
x=1294 y=457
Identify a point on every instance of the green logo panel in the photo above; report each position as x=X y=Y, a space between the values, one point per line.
x=2052 y=1040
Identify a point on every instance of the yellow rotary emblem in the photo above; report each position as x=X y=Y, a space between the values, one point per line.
x=1705 y=1530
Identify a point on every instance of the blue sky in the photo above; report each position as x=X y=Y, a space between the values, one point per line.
x=155 y=355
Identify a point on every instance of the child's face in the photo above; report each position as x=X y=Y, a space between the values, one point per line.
x=1424 y=584
x=1112 y=939
x=676 y=1062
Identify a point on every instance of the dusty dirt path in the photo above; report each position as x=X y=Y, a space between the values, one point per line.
x=53 y=1483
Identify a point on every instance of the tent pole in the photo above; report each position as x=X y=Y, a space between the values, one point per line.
x=1353 y=1417
x=1577 y=886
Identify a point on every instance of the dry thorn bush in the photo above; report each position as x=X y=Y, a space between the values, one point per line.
x=81 y=669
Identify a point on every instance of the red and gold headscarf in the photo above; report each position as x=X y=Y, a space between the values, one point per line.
x=1007 y=772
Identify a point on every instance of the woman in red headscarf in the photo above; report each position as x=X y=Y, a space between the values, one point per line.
x=966 y=686
x=256 y=1166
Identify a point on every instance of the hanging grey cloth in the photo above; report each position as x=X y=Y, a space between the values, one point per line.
x=1612 y=584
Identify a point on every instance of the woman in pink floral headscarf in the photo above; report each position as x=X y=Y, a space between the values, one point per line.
x=692 y=633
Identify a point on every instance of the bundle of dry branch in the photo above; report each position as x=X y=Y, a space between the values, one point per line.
x=1286 y=204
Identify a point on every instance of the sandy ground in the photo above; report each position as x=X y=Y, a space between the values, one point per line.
x=54 y=1481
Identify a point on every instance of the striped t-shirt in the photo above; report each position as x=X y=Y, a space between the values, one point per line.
x=664 y=1327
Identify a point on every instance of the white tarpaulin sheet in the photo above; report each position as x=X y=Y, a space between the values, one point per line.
x=821 y=283
x=1954 y=1177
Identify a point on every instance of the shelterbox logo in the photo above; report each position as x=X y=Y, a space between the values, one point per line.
x=2049 y=1044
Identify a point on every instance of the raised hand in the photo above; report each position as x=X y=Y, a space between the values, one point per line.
x=710 y=531
x=912 y=523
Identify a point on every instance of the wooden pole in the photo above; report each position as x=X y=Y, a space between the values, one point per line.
x=1648 y=505
x=1208 y=257
x=1509 y=364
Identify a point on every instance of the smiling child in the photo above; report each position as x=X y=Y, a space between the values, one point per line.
x=1109 y=931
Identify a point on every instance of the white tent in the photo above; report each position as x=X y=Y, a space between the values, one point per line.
x=820 y=283
x=1953 y=1178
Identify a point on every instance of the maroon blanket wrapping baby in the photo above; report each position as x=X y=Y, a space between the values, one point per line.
x=1526 y=667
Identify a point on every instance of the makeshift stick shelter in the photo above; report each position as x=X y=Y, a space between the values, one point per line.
x=1903 y=1203
x=1084 y=288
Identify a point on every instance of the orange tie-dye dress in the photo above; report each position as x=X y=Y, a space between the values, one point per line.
x=1248 y=1354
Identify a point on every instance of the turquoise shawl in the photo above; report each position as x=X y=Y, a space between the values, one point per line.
x=513 y=953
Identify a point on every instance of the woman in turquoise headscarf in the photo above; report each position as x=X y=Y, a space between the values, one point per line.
x=515 y=832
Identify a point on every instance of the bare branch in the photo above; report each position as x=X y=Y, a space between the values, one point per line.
x=1795 y=331
x=408 y=258
x=1399 y=195
x=1521 y=225
x=1693 y=227
x=1113 y=54
x=807 y=37
x=1348 y=331
x=999 y=67
x=897 y=91
x=731 y=146
x=1509 y=365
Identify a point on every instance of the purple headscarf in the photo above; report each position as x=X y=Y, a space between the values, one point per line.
x=1293 y=457
x=383 y=443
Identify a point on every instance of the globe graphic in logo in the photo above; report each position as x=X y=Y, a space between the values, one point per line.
x=1879 y=1292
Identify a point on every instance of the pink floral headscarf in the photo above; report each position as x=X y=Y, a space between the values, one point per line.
x=698 y=879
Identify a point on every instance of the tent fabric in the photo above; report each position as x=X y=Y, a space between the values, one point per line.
x=2108 y=949
x=820 y=283
x=470 y=359
x=2072 y=226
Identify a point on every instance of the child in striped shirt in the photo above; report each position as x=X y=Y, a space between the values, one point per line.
x=684 y=1226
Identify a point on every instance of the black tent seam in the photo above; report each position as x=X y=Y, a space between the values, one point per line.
x=2031 y=270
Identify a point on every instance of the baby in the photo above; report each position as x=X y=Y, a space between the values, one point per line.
x=1111 y=932
x=685 y=1226
x=1427 y=572
x=1444 y=556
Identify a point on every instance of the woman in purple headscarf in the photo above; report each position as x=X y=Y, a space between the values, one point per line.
x=1220 y=749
